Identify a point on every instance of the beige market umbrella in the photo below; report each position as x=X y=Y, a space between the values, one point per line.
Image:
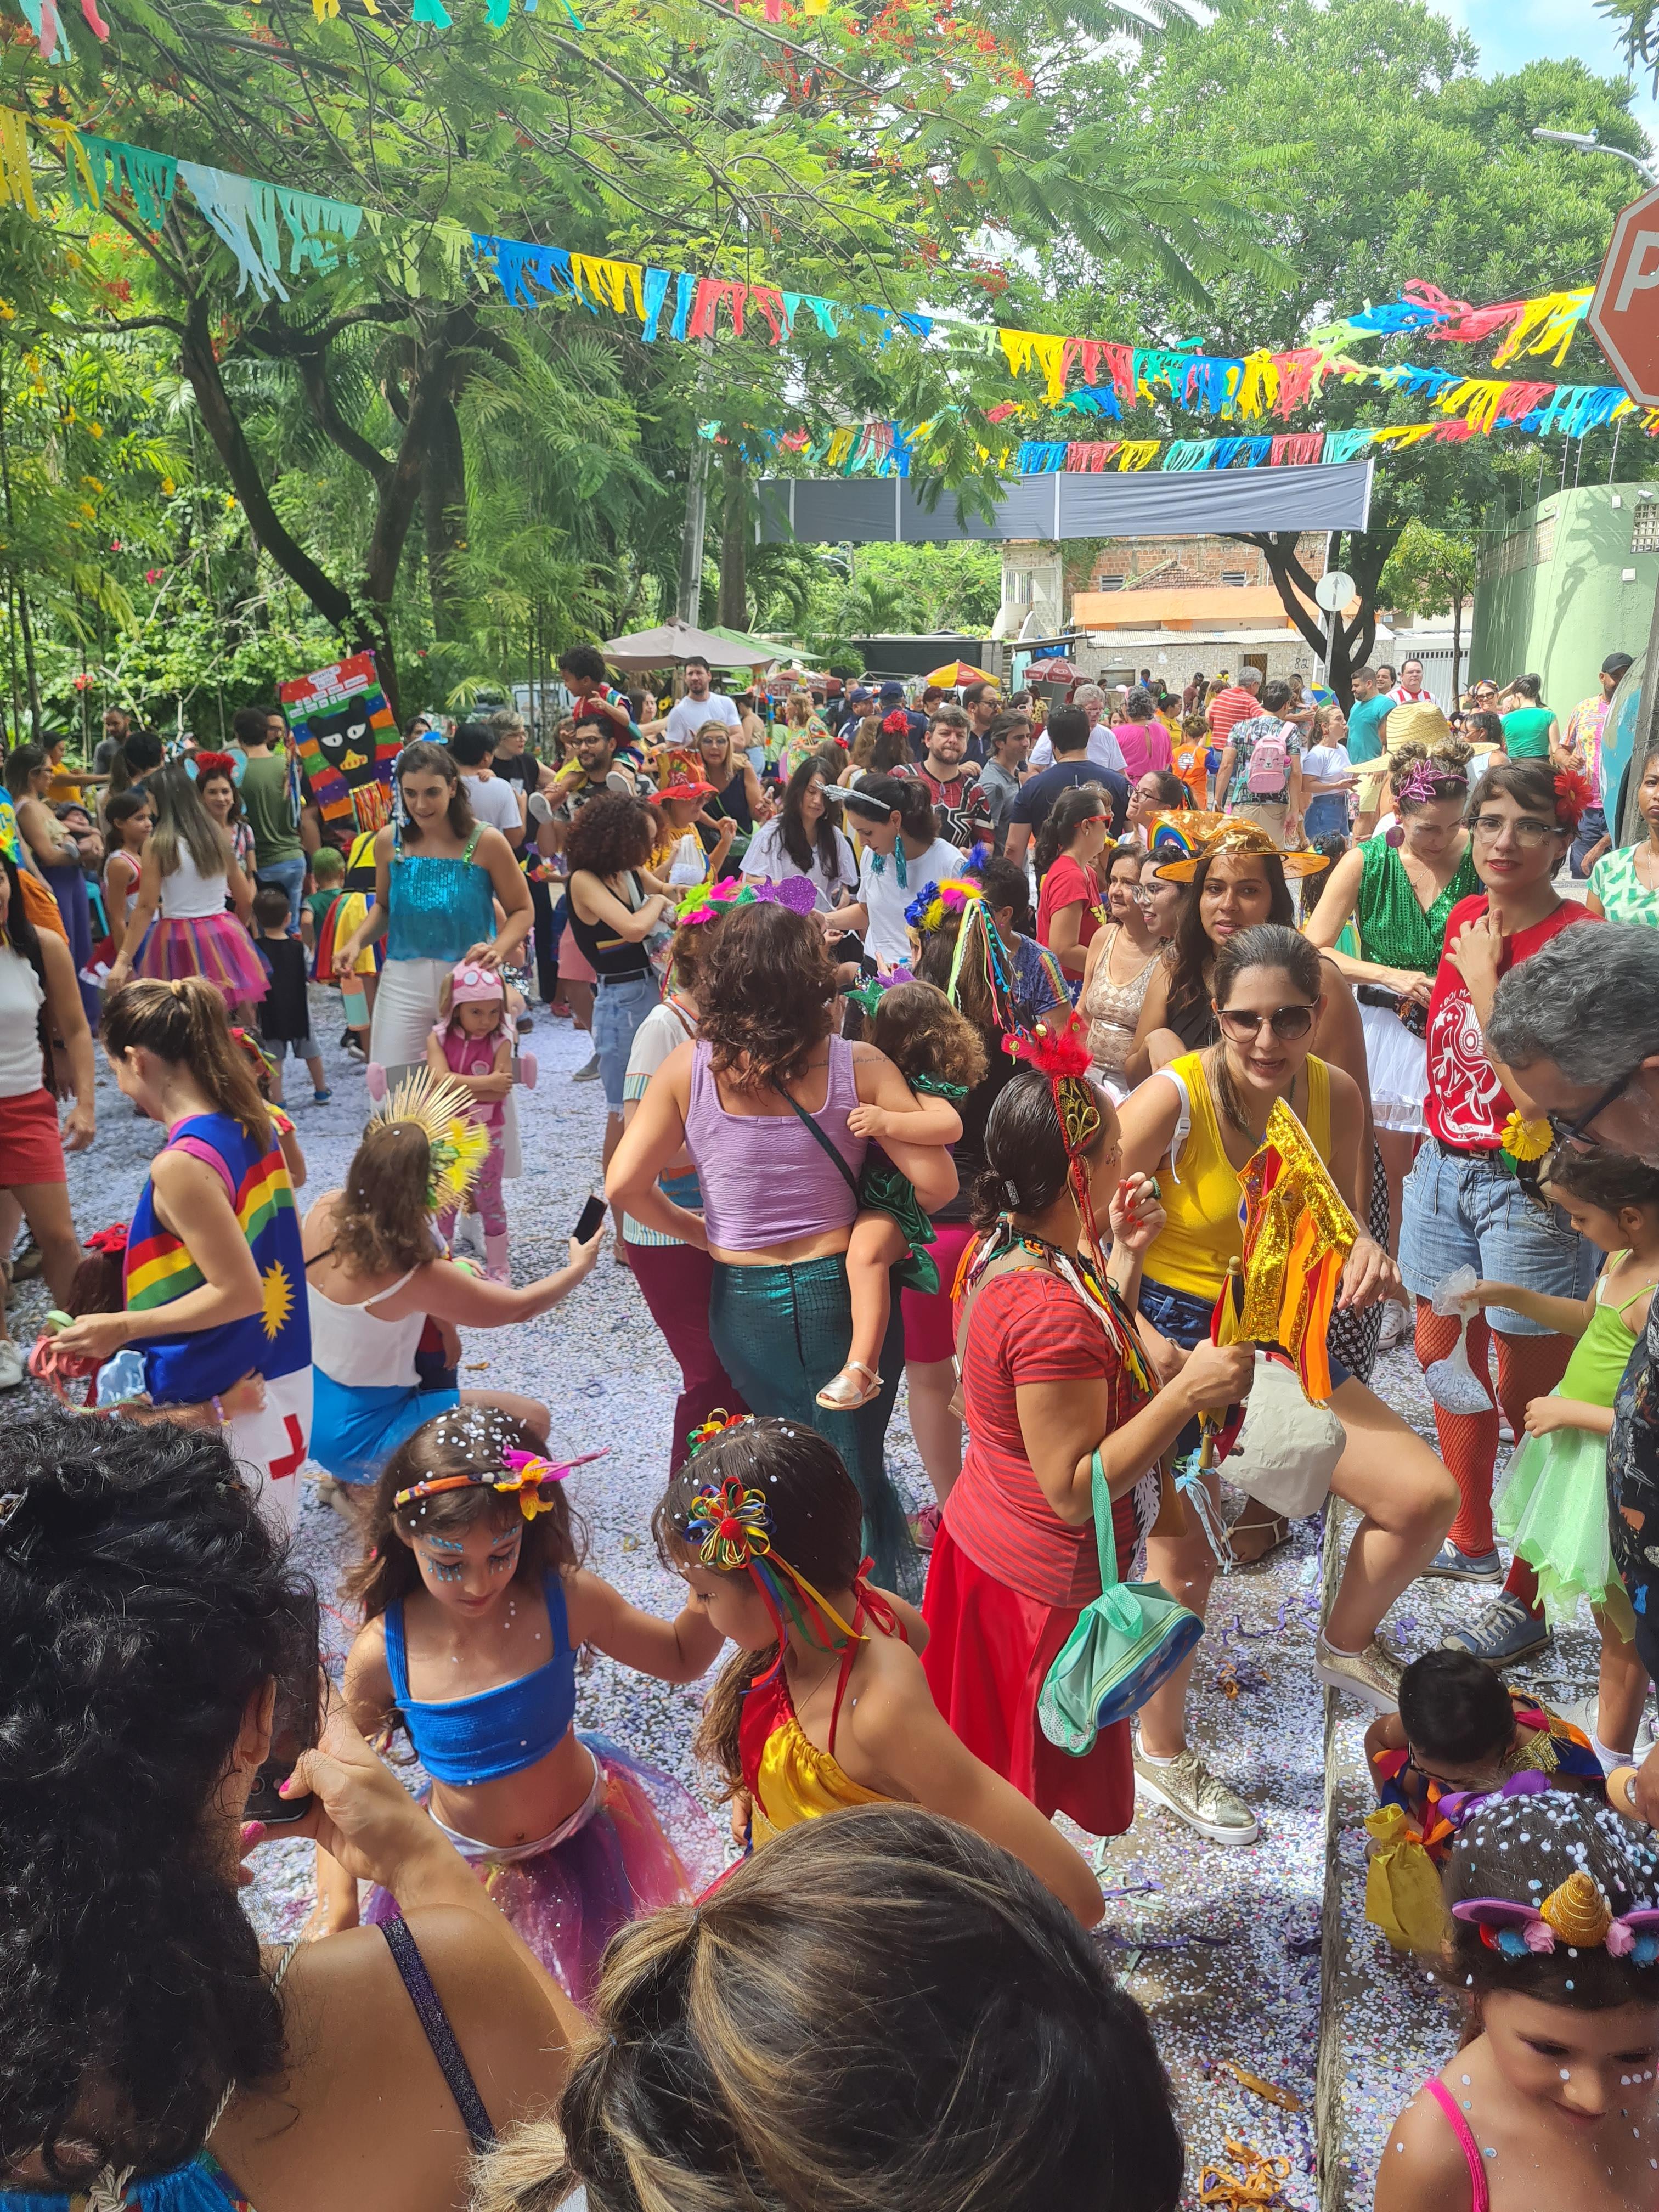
x=672 y=643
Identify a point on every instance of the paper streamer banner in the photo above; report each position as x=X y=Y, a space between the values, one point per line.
x=346 y=740
x=252 y=215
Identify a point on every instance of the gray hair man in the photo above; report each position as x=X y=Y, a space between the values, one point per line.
x=1104 y=750
x=1580 y=1029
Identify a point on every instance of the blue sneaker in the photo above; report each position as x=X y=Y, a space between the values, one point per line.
x=1458 y=1567
x=1505 y=1632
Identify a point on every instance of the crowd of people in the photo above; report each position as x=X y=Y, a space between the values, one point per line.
x=1119 y=1074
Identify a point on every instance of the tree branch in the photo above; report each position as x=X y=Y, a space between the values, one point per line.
x=319 y=395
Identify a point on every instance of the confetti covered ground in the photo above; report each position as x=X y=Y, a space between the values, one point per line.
x=1222 y=1947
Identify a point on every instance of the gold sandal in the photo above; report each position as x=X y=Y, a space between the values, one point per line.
x=1279 y=1530
x=848 y=1400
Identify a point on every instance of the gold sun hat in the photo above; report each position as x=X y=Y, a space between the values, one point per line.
x=1188 y=838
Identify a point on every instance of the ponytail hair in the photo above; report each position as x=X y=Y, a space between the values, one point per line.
x=185 y=1024
x=879 y=2008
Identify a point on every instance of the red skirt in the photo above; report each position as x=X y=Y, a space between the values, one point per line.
x=989 y=1652
x=31 y=1150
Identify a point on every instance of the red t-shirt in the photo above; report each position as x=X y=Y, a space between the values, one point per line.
x=1029 y=1326
x=1467 y=1105
x=1068 y=884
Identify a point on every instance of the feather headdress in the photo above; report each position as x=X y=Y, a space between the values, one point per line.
x=457 y=1146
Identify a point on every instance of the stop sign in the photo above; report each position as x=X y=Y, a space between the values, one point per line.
x=1625 y=312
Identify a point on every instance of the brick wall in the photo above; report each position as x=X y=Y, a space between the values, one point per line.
x=1186 y=563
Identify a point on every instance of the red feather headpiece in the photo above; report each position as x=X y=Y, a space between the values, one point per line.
x=1058 y=1052
x=1572 y=794
x=1063 y=1055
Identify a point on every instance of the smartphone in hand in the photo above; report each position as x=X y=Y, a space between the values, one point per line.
x=590 y=1220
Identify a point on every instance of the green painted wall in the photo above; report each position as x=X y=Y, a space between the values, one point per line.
x=1561 y=587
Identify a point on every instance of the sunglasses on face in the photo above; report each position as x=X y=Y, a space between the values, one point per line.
x=1284 y=1022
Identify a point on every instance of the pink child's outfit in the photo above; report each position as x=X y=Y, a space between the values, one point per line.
x=476 y=1055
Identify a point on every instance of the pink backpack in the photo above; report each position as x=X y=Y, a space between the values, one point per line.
x=1270 y=766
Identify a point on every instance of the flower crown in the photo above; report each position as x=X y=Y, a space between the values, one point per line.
x=458 y=1146
x=521 y=1473
x=213 y=764
x=1576 y=1912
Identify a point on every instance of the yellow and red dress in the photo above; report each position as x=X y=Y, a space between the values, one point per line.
x=788 y=1777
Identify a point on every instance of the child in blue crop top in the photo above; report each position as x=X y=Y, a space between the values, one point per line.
x=475 y=1602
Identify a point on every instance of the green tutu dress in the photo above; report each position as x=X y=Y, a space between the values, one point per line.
x=1552 y=1504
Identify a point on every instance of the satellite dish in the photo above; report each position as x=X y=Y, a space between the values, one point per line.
x=1333 y=591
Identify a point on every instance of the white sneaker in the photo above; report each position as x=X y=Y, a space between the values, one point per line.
x=1395 y=1323
x=12 y=1369
x=468 y=1236
x=1187 y=1788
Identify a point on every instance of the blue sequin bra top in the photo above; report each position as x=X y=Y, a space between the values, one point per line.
x=439 y=908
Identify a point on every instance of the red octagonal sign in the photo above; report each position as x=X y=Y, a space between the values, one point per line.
x=1625 y=312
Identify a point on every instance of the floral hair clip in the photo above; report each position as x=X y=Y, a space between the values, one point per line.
x=717 y=1424
x=1577 y=1913
x=704 y=900
x=896 y=723
x=1572 y=794
x=730 y=1526
x=112 y=1241
x=521 y=1473
x=1418 y=787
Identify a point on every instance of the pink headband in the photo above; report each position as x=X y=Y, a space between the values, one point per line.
x=475 y=986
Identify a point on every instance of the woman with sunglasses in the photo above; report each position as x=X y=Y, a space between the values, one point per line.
x=1462 y=1205
x=1194 y=1125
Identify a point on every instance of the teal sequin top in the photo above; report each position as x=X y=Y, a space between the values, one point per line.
x=439 y=908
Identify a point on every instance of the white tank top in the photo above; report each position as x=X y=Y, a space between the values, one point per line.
x=21 y=1000
x=189 y=896
x=356 y=1349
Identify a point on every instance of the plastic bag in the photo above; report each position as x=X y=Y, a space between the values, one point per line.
x=1452 y=1382
x=689 y=864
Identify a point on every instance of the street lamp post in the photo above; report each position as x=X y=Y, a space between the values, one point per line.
x=1586 y=141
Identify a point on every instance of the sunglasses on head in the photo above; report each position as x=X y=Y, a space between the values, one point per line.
x=1285 y=1022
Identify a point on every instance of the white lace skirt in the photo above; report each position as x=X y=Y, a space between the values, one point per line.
x=1398 y=1064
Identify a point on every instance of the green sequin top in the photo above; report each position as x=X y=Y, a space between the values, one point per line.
x=1394 y=929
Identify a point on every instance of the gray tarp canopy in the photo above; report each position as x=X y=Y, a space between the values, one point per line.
x=1148 y=503
x=672 y=643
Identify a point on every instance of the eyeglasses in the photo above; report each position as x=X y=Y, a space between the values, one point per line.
x=1573 y=1132
x=1528 y=830
x=1141 y=897
x=1285 y=1022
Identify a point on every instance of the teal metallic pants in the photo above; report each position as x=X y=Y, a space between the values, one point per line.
x=782 y=1334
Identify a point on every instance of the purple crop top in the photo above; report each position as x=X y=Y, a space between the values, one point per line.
x=766 y=1180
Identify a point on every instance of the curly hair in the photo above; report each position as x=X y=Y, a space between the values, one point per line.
x=922 y=1034
x=610 y=834
x=880 y=2008
x=1449 y=762
x=815 y=1520
x=767 y=999
x=144 y=1604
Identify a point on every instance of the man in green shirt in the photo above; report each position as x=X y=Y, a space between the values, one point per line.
x=278 y=856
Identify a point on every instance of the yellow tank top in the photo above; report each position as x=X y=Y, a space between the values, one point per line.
x=1201 y=1229
x=787 y=1777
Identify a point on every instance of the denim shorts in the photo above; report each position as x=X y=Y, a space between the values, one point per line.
x=1463 y=1210
x=1326 y=815
x=620 y=1004
x=1185 y=1320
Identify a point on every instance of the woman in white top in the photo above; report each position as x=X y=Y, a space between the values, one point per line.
x=37 y=973
x=375 y=1274
x=1327 y=777
x=802 y=839
x=187 y=870
x=903 y=853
